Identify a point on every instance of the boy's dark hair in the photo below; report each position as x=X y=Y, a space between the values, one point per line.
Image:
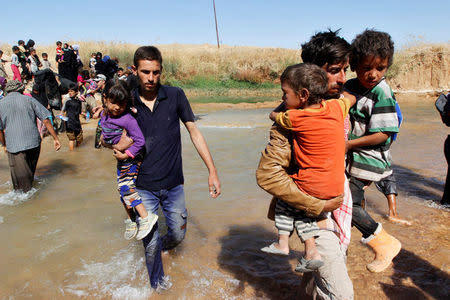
x=30 y=43
x=371 y=43
x=326 y=47
x=85 y=74
x=117 y=92
x=147 y=53
x=58 y=43
x=44 y=54
x=73 y=86
x=20 y=42
x=15 y=48
x=307 y=76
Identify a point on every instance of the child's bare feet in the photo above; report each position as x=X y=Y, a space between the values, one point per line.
x=397 y=220
x=311 y=250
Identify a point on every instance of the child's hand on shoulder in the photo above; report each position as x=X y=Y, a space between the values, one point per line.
x=349 y=97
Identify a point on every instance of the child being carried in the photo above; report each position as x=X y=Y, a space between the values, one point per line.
x=319 y=153
x=116 y=121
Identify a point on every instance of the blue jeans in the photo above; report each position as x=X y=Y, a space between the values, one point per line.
x=173 y=206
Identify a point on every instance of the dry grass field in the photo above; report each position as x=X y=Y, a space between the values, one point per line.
x=206 y=70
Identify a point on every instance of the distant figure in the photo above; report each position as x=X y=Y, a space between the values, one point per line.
x=100 y=66
x=34 y=61
x=19 y=134
x=72 y=110
x=2 y=66
x=92 y=62
x=67 y=67
x=59 y=52
x=110 y=67
x=443 y=106
x=15 y=64
x=45 y=63
x=22 y=54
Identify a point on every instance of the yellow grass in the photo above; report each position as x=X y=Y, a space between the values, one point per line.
x=183 y=63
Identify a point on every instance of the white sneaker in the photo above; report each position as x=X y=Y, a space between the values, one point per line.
x=164 y=284
x=130 y=229
x=146 y=225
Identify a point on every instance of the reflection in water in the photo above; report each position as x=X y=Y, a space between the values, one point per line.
x=64 y=239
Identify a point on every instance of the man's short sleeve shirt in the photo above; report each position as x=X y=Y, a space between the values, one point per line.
x=18 y=115
x=162 y=164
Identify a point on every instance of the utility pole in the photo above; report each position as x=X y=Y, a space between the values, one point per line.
x=215 y=18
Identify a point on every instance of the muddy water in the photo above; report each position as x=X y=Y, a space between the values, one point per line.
x=63 y=240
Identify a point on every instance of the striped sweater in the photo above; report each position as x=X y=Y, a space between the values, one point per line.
x=373 y=112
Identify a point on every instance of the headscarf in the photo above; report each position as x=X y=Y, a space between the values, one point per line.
x=76 y=48
x=2 y=83
x=106 y=58
x=14 y=86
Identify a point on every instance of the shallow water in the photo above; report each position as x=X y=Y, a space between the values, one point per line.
x=63 y=240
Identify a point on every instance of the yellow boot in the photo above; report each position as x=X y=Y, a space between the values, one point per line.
x=385 y=246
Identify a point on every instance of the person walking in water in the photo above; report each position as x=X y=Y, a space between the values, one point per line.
x=19 y=133
x=159 y=109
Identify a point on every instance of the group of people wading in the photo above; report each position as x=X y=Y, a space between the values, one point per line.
x=330 y=140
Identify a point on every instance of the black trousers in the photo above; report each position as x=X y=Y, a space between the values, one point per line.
x=360 y=218
x=23 y=165
x=446 y=195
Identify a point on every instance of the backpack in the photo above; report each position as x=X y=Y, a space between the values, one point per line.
x=443 y=106
x=399 y=117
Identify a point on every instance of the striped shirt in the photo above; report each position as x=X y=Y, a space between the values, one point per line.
x=18 y=115
x=373 y=112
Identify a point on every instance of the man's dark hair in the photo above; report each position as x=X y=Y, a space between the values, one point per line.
x=147 y=53
x=371 y=43
x=307 y=76
x=73 y=86
x=325 y=47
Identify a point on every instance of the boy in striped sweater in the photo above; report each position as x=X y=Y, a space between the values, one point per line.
x=374 y=121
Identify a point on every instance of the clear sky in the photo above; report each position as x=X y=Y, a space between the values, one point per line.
x=269 y=23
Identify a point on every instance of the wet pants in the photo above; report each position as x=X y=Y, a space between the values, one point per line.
x=23 y=165
x=173 y=206
x=360 y=218
x=331 y=281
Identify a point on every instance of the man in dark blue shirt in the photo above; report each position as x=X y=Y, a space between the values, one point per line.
x=160 y=181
